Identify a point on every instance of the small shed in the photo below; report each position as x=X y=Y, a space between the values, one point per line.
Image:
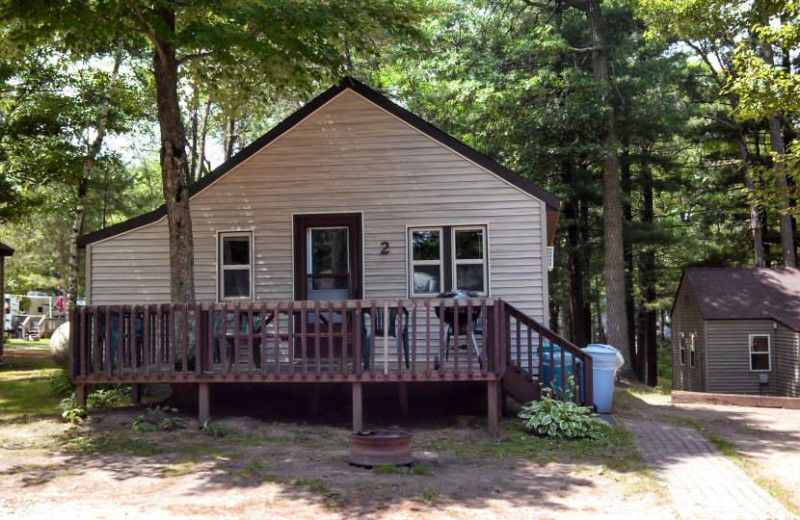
x=4 y=252
x=737 y=330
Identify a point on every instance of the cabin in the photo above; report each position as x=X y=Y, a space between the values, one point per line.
x=354 y=242
x=737 y=331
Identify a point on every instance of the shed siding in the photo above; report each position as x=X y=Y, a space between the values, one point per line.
x=728 y=351
x=687 y=319
x=349 y=156
x=787 y=355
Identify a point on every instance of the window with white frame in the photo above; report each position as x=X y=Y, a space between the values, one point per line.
x=760 y=353
x=426 y=262
x=469 y=259
x=448 y=258
x=235 y=265
x=682 y=348
x=692 y=351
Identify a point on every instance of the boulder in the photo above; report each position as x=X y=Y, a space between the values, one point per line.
x=59 y=345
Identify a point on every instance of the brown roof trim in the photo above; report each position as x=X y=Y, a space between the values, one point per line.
x=5 y=250
x=287 y=124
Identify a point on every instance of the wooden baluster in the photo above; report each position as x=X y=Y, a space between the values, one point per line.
x=399 y=333
x=237 y=335
x=210 y=339
x=496 y=344
x=317 y=341
x=146 y=343
x=413 y=338
x=107 y=349
x=198 y=343
x=470 y=337
x=303 y=325
x=170 y=342
x=540 y=352
x=222 y=339
x=358 y=329
x=442 y=342
x=276 y=329
x=290 y=335
x=427 y=338
x=552 y=359
x=83 y=345
x=372 y=328
x=345 y=342
x=185 y=340
x=485 y=327
x=329 y=306
x=262 y=317
x=456 y=331
x=519 y=343
x=530 y=349
x=96 y=367
x=251 y=365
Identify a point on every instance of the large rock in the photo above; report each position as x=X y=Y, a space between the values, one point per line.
x=59 y=345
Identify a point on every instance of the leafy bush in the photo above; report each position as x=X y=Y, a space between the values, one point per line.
x=109 y=397
x=159 y=418
x=213 y=429
x=557 y=417
x=60 y=384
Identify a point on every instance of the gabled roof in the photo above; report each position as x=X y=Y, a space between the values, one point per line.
x=747 y=293
x=5 y=250
x=552 y=202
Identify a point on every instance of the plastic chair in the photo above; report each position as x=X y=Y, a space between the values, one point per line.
x=379 y=331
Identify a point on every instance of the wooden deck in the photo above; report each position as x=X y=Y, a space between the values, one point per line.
x=353 y=341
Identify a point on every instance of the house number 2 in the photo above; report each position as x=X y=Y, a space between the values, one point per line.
x=384 y=248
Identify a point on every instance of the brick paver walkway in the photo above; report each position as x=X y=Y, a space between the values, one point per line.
x=703 y=483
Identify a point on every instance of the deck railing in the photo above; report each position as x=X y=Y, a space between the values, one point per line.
x=306 y=341
x=289 y=341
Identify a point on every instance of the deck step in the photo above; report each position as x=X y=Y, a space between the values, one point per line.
x=520 y=385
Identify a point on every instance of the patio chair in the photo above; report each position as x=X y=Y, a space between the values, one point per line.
x=380 y=330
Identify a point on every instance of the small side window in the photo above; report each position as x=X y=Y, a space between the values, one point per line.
x=682 y=348
x=760 y=353
x=692 y=350
x=235 y=266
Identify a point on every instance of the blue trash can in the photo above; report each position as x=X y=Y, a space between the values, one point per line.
x=552 y=376
x=606 y=360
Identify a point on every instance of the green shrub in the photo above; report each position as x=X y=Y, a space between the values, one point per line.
x=109 y=397
x=159 y=418
x=60 y=383
x=74 y=415
x=213 y=429
x=561 y=418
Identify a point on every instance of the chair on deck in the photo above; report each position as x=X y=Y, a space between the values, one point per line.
x=380 y=331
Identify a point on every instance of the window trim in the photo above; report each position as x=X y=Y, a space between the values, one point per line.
x=682 y=349
x=455 y=262
x=750 y=351
x=221 y=268
x=412 y=263
x=693 y=350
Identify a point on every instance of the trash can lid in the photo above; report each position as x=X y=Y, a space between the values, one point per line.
x=604 y=355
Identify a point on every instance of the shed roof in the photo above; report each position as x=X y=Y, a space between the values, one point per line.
x=5 y=250
x=551 y=201
x=746 y=293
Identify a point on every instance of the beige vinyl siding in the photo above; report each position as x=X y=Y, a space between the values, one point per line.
x=728 y=348
x=349 y=156
x=787 y=355
x=687 y=319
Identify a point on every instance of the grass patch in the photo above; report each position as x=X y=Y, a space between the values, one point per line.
x=25 y=387
x=108 y=442
x=428 y=496
x=23 y=344
x=679 y=420
x=386 y=470
x=421 y=470
x=311 y=485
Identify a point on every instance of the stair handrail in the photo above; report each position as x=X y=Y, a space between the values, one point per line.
x=510 y=311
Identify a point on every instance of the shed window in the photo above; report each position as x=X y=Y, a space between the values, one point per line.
x=682 y=348
x=448 y=258
x=235 y=266
x=760 y=353
x=692 y=351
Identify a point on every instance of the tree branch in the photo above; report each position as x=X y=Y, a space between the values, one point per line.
x=192 y=57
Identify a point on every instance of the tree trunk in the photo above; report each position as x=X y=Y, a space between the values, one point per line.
x=627 y=215
x=613 y=254
x=575 y=263
x=230 y=138
x=648 y=340
x=73 y=262
x=784 y=218
x=200 y=167
x=195 y=108
x=174 y=166
x=755 y=216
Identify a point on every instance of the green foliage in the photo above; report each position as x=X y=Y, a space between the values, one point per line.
x=74 y=415
x=159 y=418
x=556 y=416
x=60 y=383
x=109 y=397
x=213 y=429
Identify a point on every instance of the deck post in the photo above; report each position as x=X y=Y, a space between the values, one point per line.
x=136 y=393
x=402 y=389
x=493 y=407
x=81 y=395
x=203 y=403
x=358 y=408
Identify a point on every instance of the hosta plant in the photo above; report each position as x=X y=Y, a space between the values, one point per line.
x=561 y=418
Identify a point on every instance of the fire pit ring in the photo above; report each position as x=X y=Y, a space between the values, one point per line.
x=381 y=448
